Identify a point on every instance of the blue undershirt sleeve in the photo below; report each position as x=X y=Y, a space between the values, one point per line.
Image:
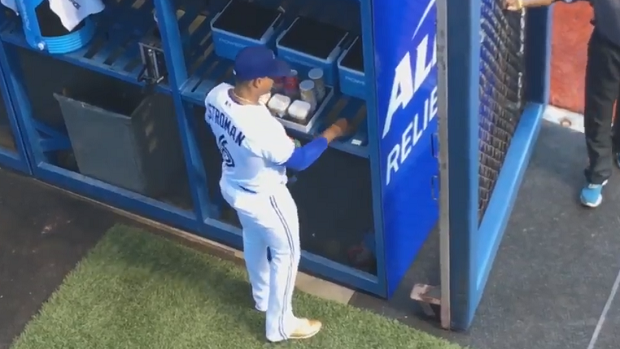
x=305 y=156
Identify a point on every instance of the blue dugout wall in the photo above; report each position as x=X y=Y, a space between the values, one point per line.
x=355 y=210
x=12 y=150
x=474 y=60
x=374 y=194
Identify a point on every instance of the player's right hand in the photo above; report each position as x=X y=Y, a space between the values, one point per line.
x=338 y=129
x=341 y=127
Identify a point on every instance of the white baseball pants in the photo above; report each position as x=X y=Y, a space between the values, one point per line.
x=270 y=220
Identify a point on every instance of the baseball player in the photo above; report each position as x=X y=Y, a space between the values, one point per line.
x=602 y=90
x=255 y=154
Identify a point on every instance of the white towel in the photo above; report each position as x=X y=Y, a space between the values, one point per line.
x=70 y=12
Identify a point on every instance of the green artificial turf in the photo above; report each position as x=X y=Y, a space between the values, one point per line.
x=136 y=290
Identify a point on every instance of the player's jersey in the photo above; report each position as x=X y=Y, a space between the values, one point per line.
x=254 y=145
x=70 y=12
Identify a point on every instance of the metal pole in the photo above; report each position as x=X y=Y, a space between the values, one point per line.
x=444 y=195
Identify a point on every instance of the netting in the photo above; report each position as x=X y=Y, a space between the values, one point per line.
x=501 y=90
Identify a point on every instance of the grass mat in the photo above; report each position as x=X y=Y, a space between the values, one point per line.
x=136 y=290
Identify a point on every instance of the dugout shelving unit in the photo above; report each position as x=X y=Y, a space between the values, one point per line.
x=12 y=150
x=369 y=203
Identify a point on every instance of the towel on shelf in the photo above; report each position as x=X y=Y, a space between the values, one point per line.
x=70 y=12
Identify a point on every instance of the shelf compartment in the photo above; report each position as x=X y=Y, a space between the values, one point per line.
x=335 y=106
x=155 y=133
x=335 y=208
x=209 y=70
x=232 y=31
x=351 y=70
x=300 y=45
x=354 y=110
x=114 y=49
x=7 y=141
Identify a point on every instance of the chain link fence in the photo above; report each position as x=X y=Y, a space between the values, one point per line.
x=501 y=90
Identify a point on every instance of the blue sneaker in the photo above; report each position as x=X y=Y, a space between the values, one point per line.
x=591 y=195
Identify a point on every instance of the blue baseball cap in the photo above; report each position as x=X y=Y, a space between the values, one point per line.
x=259 y=62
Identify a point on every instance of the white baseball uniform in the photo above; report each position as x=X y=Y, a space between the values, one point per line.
x=70 y=12
x=254 y=148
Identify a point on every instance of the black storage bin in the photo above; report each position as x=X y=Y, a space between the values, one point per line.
x=308 y=43
x=241 y=24
x=354 y=58
x=351 y=70
x=120 y=135
x=246 y=19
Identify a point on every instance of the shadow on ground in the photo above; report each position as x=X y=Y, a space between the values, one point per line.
x=43 y=234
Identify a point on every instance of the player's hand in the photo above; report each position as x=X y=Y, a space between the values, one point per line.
x=338 y=129
x=513 y=5
x=341 y=127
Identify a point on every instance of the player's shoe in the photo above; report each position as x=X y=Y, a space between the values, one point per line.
x=591 y=195
x=306 y=329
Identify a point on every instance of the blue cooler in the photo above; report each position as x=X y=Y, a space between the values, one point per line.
x=54 y=38
x=241 y=24
x=308 y=44
x=351 y=71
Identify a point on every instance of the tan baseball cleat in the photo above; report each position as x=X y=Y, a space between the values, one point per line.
x=306 y=329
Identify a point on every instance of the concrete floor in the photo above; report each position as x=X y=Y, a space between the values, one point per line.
x=43 y=234
x=556 y=267
x=550 y=287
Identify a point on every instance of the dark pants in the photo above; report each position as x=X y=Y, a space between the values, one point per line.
x=602 y=90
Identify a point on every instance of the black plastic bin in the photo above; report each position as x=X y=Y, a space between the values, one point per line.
x=308 y=44
x=121 y=136
x=246 y=19
x=241 y=24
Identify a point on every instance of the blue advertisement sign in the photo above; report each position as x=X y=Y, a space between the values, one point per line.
x=405 y=65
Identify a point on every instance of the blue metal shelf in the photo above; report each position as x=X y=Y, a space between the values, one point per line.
x=207 y=70
x=353 y=109
x=114 y=50
x=210 y=70
x=12 y=153
x=193 y=70
x=339 y=106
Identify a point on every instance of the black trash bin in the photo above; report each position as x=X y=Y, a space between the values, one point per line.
x=120 y=135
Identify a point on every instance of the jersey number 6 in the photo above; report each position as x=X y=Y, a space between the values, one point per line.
x=226 y=158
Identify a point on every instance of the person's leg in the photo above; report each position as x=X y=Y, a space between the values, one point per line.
x=254 y=245
x=285 y=249
x=274 y=218
x=602 y=88
x=257 y=264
